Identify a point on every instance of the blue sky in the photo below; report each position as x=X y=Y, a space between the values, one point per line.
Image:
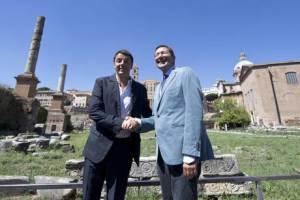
x=205 y=35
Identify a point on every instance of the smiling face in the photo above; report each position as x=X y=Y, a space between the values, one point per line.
x=164 y=59
x=122 y=65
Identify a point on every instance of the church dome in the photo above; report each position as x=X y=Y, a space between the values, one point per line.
x=243 y=62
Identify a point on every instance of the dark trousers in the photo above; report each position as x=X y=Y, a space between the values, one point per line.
x=174 y=185
x=114 y=169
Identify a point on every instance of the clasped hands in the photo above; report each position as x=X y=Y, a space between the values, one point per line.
x=130 y=124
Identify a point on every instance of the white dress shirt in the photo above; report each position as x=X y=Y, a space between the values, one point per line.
x=126 y=106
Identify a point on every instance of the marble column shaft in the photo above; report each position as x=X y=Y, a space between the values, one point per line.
x=62 y=78
x=35 y=45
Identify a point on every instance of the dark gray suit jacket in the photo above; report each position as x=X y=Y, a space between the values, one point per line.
x=104 y=109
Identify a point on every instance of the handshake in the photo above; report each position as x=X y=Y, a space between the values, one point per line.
x=131 y=124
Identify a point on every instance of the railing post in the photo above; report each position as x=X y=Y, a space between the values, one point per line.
x=139 y=187
x=259 y=192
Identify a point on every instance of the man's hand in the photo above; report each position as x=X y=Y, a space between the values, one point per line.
x=130 y=124
x=190 y=170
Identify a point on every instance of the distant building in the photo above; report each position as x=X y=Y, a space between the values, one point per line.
x=270 y=92
x=135 y=73
x=80 y=99
x=210 y=90
x=45 y=97
x=150 y=86
x=230 y=90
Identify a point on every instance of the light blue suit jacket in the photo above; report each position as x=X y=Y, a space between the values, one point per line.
x=177 y=118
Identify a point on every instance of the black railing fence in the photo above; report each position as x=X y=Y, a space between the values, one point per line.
x=231 y=179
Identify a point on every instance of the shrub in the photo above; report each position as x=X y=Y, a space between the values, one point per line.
x=42 y=115
x=11 y=110
x=231 y=114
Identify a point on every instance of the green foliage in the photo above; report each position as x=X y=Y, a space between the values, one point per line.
x=42 y=115
x=69 y=126
x=11 y=110
x=67 y=102
x=43 y=89
x=211 y=97
x=231 y=114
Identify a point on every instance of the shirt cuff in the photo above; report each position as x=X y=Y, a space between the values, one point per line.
x=188 y=159
x=138 y=120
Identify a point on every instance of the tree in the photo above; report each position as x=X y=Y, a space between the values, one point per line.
x=11 y=110
x=43 y=89
x=231 y=114
x=42 y=115
x=211 y=97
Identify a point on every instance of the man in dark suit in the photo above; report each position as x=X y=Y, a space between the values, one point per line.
x=109 y=149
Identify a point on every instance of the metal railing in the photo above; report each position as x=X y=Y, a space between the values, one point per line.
x=231 y=179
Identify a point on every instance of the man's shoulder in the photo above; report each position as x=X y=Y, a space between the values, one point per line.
x=184 y=69
x=138 y=84
x=104 y=78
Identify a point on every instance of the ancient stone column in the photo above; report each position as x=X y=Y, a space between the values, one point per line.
x=35 y=45
x=61 y=80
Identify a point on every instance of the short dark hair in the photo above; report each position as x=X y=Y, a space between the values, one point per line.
x=124 y=52
x=169 y=48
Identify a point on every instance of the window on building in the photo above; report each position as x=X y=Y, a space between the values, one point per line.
x=291 y=78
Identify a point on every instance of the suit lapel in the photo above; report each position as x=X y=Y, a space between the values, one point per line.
x=156 y=99
x=134 y=94
x=165 y=87
x=115 y=94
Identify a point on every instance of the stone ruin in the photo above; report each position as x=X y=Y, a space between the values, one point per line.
x=222 y=166
x=26 y=82
x=36 y=144
x=57 y=119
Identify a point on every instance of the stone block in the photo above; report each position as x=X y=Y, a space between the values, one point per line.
x=65 y=137
x=39 y=129
x=222 y=165
x=74 y=168
x=146 y=169
x=55 y=194
x=42 y=143
x=213 y=189
x=66 y=147
x=9 y=180
x=20 y=146
x=5 y=145
x=74 y=164
x=40 y=154
x=32 y=148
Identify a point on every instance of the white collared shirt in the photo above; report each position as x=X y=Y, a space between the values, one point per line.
x=126 y=106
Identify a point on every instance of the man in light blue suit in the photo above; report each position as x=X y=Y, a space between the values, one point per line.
x=177 y=119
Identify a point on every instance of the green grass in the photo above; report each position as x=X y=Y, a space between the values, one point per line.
x=52 y=164
x=257 y=156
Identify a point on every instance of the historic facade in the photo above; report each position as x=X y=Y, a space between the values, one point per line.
x=270 y=92
x=135 y=72
x=150 y=86
x=81 y=99
x=45 y=97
